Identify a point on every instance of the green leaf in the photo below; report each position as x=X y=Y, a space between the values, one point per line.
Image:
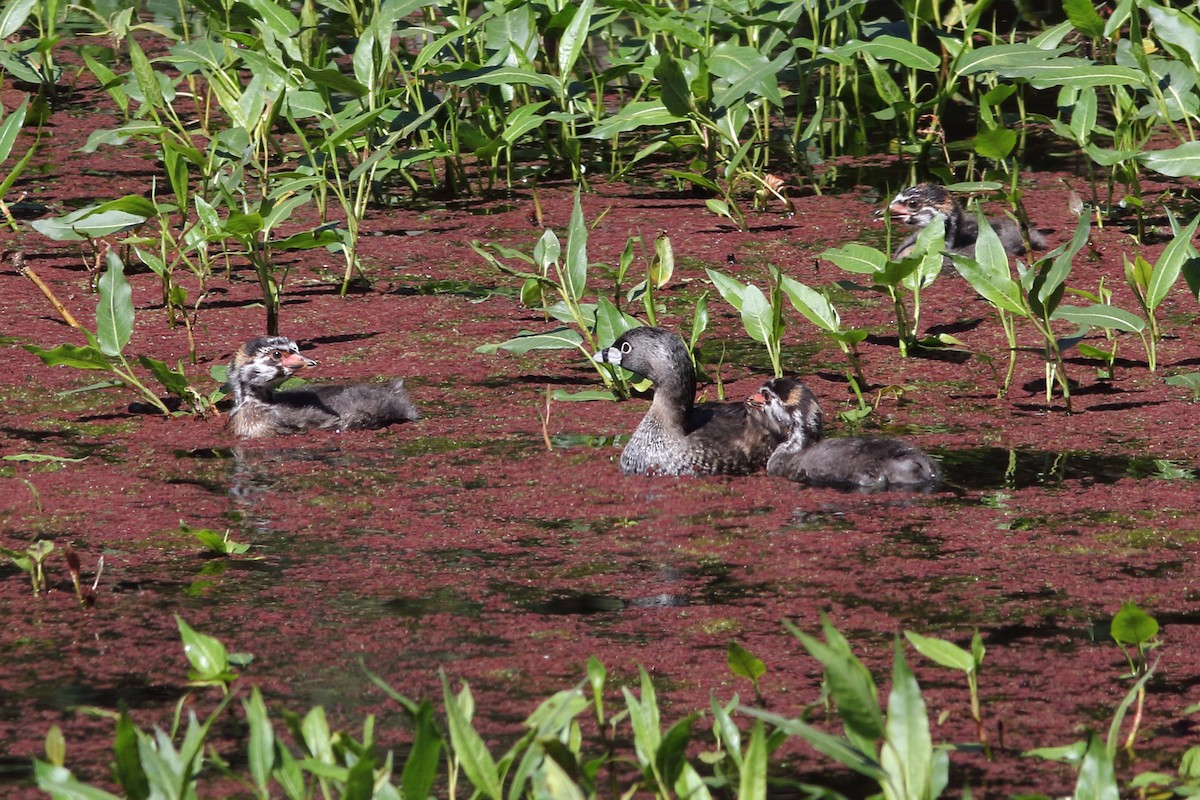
x=989 y=275
x=758 y=317
x=1083 y=16
x=261 y=746
x=836 y=747
x=729 y=288
x=1132 y=626
x=1170 y=264
x=11 y=127
x=815 y=306
x=1100 y=315
x=671 y=755
x=907 y=755
x=574 y=273
x=995 y=143
x=421 y=767
x=42 y=458
x=635 y=115
x=69 y=355
x=1097 y=776
x=208 y=657
x=849 y=682
x=743 y=663
x=644 y=717
x=674 y=91
x=469 y=747
x=127 y=766
x=611 y=322
x=857 y=258
x=72 y=227
x=502 y=76
x=143 y=72
x=523 y=342
x=114 y=314
x=893 y=48
x=14 y=15
x=1178 y=162
x=947 y=654
x=570 y=45
x=60 y=784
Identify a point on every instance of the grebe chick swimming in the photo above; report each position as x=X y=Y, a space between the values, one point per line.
x=259 y=409
x=919 y=205
x=866 y=463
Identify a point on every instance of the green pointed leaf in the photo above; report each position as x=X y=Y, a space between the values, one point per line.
x=1170 y=264
x=469 y=747
x=261 y=746
x=570 y=45
x=729 y=288
x=69 y=355
x=815 y=306
x=574 y=273
x=11 y=127
x=114 y=314
x=14 y=15
x=743 y=663
x=1182 y=161
x=1097 y=777
x=674 y=91
x=947 y=654
x=908 y=755
x=557 y=339
x=758 y=317
x=1100 y=315
x=849 y=682
x=206 y=654
x=857 y=258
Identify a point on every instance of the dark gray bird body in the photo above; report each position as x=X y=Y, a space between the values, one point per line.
x=677 y=437
x=260 y=410
x=867 y=463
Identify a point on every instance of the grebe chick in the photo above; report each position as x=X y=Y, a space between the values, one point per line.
x=919 y=205
x=866 y=463
x=260 y=410
x=677 y=437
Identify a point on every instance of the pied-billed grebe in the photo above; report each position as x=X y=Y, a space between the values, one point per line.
x=259 y=410
x=868 y=463
x=677 y=437
x=919 y=205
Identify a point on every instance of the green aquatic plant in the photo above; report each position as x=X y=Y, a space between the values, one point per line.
x=558 y=288
x=32 y=560
x=9 y=129
x=1150 y=284
x=897 y=278
x=105 y=350
x=1034 y=295
x=744 y=664
x=1135 y=632
x=215 y=541
x=951 y=656
x=1191 y=380
x=892 y=747
x=761 y=312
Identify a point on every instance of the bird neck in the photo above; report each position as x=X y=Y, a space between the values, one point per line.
x=675 y=397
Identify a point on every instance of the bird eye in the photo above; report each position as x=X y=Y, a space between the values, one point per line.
x=913 y=203
x=625 y=347
x=276 y=354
